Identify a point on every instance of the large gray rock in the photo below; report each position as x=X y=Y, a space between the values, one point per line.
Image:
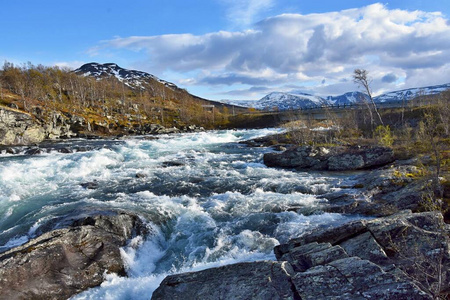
x=258 y=280
x=64 y=262
x=303 y=157
x=333 y=159
x=361 y=159
x=18 y=127
x=417 y=244
x=381 y=192
x=353 y=278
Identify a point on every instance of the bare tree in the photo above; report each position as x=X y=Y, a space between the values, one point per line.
x=360 y=76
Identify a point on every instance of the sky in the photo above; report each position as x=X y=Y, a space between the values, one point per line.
x=224 y=49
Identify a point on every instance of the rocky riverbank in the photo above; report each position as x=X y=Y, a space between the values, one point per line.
x=21 y=128
x=404 y=256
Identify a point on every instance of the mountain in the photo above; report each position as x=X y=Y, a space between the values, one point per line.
x=409 y=94
x=142 y=81
x=346 y=99
x=298 y=100
x=280 y=101
x=131 y=78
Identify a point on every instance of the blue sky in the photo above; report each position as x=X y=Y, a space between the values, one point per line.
x=224 y=49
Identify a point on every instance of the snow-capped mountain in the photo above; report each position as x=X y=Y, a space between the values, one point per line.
x=409 y=94
x=346 y=99
x=285 y=101
x=297 y=100
x=280 y=101
x=131 y=78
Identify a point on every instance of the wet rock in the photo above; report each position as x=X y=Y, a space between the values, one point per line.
x=92 y=185
x=10 y=150
x=64 y=150
x=192 y=128
x=140 y=175
x=33 y=151
x=64 y=262
x=173 y=163
x=333 y=159
x=83 y=148
x=259 y=280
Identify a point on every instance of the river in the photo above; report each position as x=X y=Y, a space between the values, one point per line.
x=207 y=199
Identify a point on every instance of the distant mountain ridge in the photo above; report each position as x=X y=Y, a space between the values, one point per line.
x=299 y=100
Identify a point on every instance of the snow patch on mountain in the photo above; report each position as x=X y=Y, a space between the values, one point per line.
x=131 y=78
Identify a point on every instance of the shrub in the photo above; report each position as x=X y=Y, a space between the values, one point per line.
x=384 y=135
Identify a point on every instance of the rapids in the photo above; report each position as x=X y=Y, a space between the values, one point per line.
x=207 y=200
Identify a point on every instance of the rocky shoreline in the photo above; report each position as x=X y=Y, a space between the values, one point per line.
x=397 y=252
x=404 y=256
x=21 y=128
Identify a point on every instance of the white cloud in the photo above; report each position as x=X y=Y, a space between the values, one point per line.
x=69 y=64
x=295 y=48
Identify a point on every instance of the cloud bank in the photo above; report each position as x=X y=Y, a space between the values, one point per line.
x=399 y=48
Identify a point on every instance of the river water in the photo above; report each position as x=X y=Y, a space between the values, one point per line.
x=207 y=199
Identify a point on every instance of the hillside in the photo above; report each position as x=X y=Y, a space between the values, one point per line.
x=102 y=99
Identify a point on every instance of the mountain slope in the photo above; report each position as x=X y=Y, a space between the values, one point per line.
x=131 y=78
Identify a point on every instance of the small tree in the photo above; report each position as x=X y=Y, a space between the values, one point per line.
x=360 y=77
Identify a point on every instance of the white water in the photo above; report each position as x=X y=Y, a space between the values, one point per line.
x=220 y=206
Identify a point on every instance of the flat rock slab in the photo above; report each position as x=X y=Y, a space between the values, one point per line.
x=257 y=280
x=333 y=158
x=353 y=278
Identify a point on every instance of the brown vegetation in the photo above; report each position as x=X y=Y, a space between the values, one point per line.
x=109 y=102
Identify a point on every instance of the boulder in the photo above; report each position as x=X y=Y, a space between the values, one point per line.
x=33 y=151
x=92 y=185
x=362 y=159
x=333 y=159
x=258 y=280
x=172 y=163
x=64 y=262
x=303 y=157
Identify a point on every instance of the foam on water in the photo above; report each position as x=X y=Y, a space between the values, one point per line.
x=208 y=201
